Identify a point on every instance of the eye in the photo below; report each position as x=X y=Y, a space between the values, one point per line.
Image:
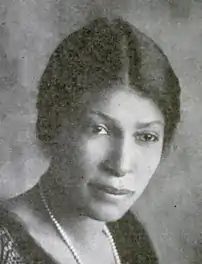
x=147 y=137
x=100 y=130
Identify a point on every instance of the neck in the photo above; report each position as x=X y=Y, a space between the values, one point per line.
x=80 y=228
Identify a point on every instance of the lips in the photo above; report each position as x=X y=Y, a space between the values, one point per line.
x=111 y=190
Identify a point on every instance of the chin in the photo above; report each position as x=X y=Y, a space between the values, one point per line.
x=110 y=214
x=105 y=210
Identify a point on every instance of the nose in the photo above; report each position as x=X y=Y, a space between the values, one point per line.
x=121 y=158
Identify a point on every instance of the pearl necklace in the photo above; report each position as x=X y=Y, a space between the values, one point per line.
x=66 y=239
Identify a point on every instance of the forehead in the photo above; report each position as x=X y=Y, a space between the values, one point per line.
x=124 y=104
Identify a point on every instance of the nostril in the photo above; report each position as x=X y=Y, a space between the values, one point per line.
x=111 y=171
x=119 y=173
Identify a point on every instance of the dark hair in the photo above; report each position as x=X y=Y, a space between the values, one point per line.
x=96 y=56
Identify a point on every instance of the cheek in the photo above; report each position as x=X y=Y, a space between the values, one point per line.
x=153 y=161
x=148 y=163
x=95 y=150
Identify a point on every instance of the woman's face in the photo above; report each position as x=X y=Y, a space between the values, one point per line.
x=106 y=155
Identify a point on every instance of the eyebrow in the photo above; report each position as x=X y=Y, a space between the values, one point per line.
x=139 y=125
x=105 y=116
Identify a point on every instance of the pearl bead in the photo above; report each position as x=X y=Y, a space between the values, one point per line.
x=67 y=240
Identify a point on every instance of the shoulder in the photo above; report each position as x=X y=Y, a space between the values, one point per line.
x=8 y=249
x=133 y=241
x=7 y=219
x=9 y=252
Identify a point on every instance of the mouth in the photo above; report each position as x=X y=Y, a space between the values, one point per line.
x=112 y=190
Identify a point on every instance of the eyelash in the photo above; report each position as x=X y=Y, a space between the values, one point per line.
x=141 y=136
x=151 y=138
x=96 y=128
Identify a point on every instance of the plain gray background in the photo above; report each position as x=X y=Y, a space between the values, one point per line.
x=171 y=207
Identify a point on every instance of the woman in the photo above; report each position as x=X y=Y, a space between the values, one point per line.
x=108 y=106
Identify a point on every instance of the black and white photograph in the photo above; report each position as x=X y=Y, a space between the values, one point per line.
x=100 y=132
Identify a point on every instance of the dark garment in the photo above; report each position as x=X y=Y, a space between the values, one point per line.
x=18 y=247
